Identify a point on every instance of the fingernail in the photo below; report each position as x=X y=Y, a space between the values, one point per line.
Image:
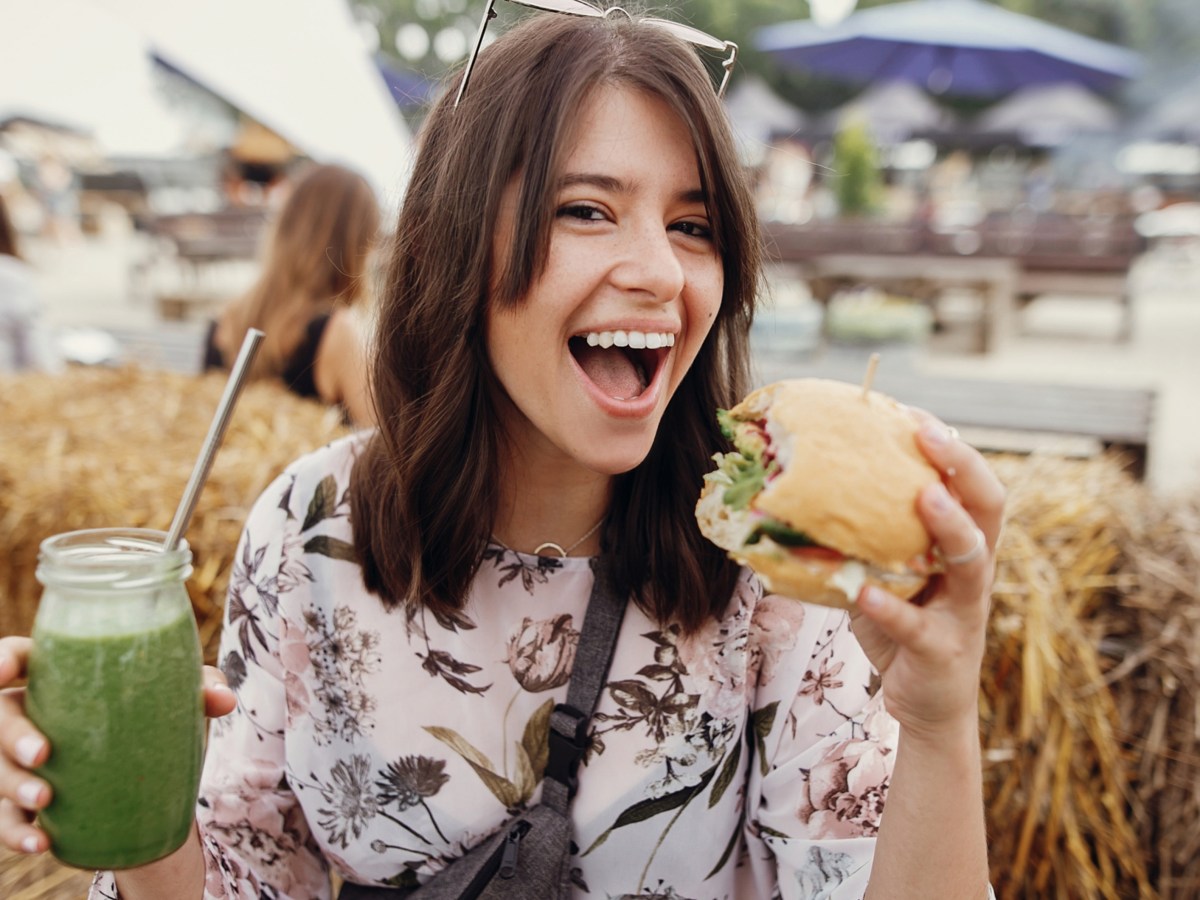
x=939 y=498
x=28 y=749
x=222 y=688
x=31 y=844
x=29 y=794
x=935 y=434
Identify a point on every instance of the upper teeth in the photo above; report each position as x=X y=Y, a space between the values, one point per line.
x=636 y=339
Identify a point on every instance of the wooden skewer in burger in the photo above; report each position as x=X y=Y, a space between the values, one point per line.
x=819 y=495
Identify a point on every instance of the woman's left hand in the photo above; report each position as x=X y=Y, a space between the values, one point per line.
x=929 y=651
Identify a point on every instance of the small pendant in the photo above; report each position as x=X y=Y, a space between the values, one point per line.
x=550 y=545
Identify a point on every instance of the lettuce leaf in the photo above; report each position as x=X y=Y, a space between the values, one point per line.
x=746 y=478
x=744 y=472
x=782 y=534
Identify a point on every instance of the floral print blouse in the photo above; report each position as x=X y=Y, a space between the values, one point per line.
x=746 y=761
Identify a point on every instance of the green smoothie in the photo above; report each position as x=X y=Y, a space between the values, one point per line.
x=119 y=698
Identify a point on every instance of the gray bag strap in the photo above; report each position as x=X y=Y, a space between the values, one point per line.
x=569 y=721
x=568 y=743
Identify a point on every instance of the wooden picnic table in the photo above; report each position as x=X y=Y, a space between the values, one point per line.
x=1008 y=259
x=924 y=277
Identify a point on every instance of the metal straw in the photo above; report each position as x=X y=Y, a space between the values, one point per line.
x=216 y=431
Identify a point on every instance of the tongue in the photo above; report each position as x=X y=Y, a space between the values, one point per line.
x=612 y=371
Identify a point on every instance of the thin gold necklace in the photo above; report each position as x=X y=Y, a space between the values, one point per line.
x=563 y=552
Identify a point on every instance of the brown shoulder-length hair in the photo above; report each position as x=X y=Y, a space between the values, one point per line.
x=424 y=491
x=8 y=233
x=315 y=258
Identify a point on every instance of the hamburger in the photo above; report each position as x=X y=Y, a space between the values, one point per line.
x=819 y=493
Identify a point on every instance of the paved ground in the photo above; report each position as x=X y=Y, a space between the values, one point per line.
x=1066 y=340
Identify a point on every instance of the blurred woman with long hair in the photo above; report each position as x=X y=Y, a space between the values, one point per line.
x=314 y=277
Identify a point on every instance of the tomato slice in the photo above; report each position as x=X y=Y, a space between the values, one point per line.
x=817 y=553
x=925 y=564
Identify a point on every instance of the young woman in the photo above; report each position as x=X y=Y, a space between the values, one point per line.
x=314 y=275
x=571 y=286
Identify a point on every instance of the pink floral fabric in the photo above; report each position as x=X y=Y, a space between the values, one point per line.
x=746 y=761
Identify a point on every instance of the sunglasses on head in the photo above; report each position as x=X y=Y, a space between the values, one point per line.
x=580 y=8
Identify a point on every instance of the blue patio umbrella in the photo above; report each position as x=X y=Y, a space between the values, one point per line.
x=960 y=47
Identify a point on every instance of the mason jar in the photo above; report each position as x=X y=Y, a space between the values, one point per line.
x=115 y=685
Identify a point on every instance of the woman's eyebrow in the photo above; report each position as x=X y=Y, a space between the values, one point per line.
x=590 y=179
x=619 y=186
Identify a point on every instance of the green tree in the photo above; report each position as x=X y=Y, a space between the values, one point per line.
x=858 y=183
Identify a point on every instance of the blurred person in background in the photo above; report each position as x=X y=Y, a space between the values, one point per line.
x=306 y=299
x=24 y=343
x=55 y=187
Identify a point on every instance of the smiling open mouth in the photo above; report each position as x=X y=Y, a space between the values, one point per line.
x=621 y=363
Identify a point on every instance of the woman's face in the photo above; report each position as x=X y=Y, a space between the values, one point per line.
x=591 y=355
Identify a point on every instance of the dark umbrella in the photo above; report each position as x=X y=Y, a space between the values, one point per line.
x=963 y=47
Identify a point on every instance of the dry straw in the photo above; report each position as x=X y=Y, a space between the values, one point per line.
x=1091 y=688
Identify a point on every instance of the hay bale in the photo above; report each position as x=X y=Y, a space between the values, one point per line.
x=89 y=448
x=1091 y=687
x=1148 y=633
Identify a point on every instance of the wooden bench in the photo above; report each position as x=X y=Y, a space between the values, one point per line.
x=1014 y=416
x=200 y=244
x=234 y=231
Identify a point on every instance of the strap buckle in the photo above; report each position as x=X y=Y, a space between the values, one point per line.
x=567 y=746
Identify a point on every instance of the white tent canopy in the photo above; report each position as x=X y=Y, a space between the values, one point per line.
x=1050 y=115
x=297 y=66
x=893 y=111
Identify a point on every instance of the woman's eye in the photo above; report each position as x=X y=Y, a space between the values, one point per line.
x=582 y=211
x=693 y=229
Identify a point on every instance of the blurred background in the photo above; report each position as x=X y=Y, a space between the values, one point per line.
x=1000 y=197
x=1001 y=190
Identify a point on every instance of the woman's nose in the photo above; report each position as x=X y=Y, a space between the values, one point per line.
x=649 y=263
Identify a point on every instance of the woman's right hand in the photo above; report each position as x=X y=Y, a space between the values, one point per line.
x=23 y=748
